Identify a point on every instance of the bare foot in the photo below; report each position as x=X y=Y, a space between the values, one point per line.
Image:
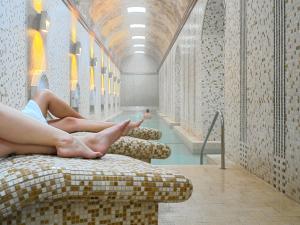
x=101 y=141
x=132 y=126
x=74 y=147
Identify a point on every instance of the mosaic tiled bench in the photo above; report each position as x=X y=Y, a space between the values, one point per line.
x=140 y=149
x=145 y=133
x=114 y=190
x=137 y=148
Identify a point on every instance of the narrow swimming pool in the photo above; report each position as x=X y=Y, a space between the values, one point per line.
x=180 y=155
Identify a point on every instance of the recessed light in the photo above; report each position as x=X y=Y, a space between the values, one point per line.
x=139 y=37
x=139 y=52
x=138 y=45
x=137 y=26
x=136 y=9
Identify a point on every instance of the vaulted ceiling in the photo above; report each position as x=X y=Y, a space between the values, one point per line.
x=111 y=20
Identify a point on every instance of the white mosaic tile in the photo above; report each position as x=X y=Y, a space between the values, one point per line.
x=13 y=60
x=292 y=100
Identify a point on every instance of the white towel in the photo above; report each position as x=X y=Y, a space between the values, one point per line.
x=33 y=111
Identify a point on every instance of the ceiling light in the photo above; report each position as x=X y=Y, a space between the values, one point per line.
x=139 y=52
x=139 y=46
x=139 y=37
x=136 y=9
x=137 y=26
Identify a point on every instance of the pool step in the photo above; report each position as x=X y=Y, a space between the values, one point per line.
x=194 y=144
x=215 y=159
x=170 y=122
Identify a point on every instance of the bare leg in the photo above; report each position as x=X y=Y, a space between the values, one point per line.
x=100 y=142
x=70 y=120
x=71 y=125
x=20 y=129
x=8 y=148
x=17 y=128
x=48 y=101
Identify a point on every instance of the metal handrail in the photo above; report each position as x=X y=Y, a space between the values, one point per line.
x=222 y=139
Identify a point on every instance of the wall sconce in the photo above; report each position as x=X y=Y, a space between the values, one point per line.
x=110 y=74
x=76 y=48
x=94 y=62
x=41 y=22
x=103 y=70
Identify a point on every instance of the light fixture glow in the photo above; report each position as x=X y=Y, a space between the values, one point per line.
x=139 y=45
x=94 y=62
x=137 y=26
x=76 y=48
x=42 y=21
x=139 y=52
x=139 y=37
x=136 y=9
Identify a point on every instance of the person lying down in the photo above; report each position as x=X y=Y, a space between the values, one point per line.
x=28 y=132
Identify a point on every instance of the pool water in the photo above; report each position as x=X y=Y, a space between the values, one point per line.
x=180 y=155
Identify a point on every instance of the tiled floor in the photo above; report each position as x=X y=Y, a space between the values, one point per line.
x=230 y=197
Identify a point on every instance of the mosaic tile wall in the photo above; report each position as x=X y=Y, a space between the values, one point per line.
x=15 y=54
x=193 y=74
x=13 y=61
x=97 y=69
x=212 y=65
x=261 y=86
x=232 y=79
x=84 y=70
x=292 y=98
x=58 y=48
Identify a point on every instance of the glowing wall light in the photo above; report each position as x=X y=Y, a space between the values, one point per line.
x=103 y=71
x=74 y=61
x=93 y=64
x=73 y=28
x=37 y=5
x=109 y=76
x=92 y=78
x=37 y=53
x=74 y=72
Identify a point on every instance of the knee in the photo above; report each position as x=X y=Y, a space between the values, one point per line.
x=43 y=94
x=71 y=123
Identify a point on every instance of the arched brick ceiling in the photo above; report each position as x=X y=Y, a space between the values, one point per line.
x=111 y=20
